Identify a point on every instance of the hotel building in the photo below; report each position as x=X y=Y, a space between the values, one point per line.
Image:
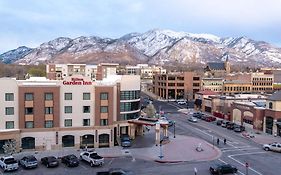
x=43 y=114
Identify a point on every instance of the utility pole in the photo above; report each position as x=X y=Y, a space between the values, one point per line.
x=174 y=129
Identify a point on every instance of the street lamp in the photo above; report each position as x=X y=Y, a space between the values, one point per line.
x=161 y=151
x=174 y=129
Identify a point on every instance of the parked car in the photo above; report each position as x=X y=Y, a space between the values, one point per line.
x=219 y=122
x=192 y=119
x=239 y=128
x=272 y=147
x=28 y=162
x=50 y=161
x=230 y=125
x=125 y=141
x=181 y=101
x=70 y=160
x=8 y=163
x=210 y=119
x=115 y=171
x=197 y=114
x=223 y=169
x=224 y=123
x=92 y=158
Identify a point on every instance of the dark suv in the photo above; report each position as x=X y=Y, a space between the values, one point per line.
x=230 y=125
x=223 y=169
x=70 y=160
x=239 y=128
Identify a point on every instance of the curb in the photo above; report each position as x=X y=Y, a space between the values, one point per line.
x=169 y=161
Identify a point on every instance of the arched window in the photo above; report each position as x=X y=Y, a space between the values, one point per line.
x=270 y=105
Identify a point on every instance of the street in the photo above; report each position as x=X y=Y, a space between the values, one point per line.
x=238 y=149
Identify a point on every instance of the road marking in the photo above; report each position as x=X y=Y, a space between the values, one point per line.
x=239 y=149
x=175 y=106
x=83 y=167
x=243 y=164
x=227 y=163
x=204 y=132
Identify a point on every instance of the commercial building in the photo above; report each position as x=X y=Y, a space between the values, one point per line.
x=212 y=84
x=177 y=85
x=76 y=112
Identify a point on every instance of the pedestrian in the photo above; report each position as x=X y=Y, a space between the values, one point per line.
x=224 y=140
x=218 y=141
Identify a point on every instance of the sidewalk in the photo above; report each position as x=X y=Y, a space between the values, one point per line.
x=261 y=138
x=179 y=149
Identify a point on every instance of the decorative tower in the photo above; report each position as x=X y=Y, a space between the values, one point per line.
x=227 y=65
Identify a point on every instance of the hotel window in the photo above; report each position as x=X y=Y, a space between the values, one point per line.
x=86 y=122
x=9 y=97
x=104 y=109
x=48 y=123
x=68 y=122
x=9 y=111
x=29 y=124
x=49 y=110
x=103 y=122
x=28 y=96
x=86 y=96
x=28 y=111
x=86 y=109
x=48 y=96
x=67 y=96
x=68 y=109
x=104 y=96
x=10 y=125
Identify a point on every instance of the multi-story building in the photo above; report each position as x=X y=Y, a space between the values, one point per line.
x=94 y=72
x=74 y=112
x=144 y=70
x=176 y=85
x=262 y=82
x=231 y=87
x=213 y=84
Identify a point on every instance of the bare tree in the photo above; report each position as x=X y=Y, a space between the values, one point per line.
x=150 y=110
x=10 y=147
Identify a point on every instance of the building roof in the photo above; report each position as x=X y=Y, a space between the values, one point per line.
x=207 y=92
x=216 y=65
x=276 y=96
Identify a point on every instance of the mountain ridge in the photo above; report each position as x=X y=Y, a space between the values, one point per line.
x=157 y=46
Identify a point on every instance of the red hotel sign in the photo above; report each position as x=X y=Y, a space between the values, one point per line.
x=77 y=81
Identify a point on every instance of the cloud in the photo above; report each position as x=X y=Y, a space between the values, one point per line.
x=38 y=21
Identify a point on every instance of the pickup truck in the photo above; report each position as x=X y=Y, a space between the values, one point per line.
x=114 y=171
x=92 y=158
x=8 y=163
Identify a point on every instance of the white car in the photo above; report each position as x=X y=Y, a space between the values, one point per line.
x=192 y=119
x=181 y=102
x=92 y=158
x=8 y=163
x=272 y=147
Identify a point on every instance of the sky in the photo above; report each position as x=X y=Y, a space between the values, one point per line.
x=32 y=22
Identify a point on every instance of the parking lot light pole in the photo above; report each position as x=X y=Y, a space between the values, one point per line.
x=174 y=129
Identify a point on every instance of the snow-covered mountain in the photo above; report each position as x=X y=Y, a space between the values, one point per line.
x=15 y=54
x=155 y=46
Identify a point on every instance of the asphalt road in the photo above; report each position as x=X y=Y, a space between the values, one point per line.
x=237 y=151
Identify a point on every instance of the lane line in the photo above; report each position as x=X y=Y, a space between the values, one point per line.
x=242 y=149
x=243 y=164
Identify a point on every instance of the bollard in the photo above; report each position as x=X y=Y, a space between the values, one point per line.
x=195 y=171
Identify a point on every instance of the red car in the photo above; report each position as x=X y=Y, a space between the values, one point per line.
x=210 y=119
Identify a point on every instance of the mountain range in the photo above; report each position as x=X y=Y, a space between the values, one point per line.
x=162 y=47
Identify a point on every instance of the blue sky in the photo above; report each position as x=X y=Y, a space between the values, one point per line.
x=32 y=22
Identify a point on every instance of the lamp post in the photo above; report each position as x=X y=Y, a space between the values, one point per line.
x=161 y=151
x=174 y=129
